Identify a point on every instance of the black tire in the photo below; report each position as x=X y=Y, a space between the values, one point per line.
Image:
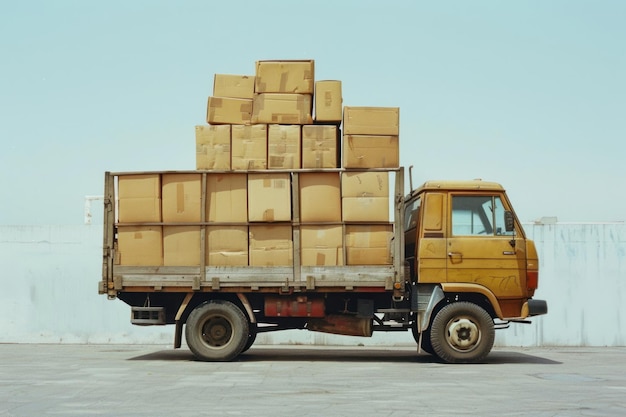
x=217 y=330
x=462 y=332
x=252 y=332
x=426 y=345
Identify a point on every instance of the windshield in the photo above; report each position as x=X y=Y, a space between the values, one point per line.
x=478 y=215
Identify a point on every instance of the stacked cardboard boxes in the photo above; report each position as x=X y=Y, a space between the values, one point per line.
x=227 y=213
x=371 y=137
x=269 y=114
x=279 y=119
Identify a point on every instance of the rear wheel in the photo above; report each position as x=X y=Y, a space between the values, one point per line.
x=217 y=331
x=462 y=332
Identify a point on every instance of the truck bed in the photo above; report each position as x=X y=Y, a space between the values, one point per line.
x=279 y=279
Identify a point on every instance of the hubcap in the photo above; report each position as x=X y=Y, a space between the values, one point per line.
x=463 y=334
x=216 y=331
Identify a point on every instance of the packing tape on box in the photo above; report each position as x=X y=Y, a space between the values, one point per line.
x=284 y=78
x=180 y=198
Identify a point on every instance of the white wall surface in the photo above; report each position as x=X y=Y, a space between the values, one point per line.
x=50 y=275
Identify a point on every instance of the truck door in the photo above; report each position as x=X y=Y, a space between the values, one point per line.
x=480 y=250
x=411 y=218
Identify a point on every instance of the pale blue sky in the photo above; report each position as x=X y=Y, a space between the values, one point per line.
x=531 y=94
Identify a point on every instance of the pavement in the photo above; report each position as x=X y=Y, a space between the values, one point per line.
x=155 y=380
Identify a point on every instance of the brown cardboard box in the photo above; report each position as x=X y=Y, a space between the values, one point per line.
x=283 y=142
x=365 y=196
x=328 y=101
x=282 y=109
x=320 y=146
x=139 y=245
x=181 y=245
x=235 y=86
x=367 y=151
x=271 y=245
x=227 y=245
x=371 y=121
x=213 y=147
x=227 y=198
x=226 y=110
x=368 y=244
x=139 y=210
x=320 y=197
x=285 y=76
x=249 y=147
x=321 y=245
x=365 y=209
x=139 y=185
x=139 y=198
x=182 y=197
x=360 y=183
x=269 y=197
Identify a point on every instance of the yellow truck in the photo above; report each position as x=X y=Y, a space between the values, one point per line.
x=459 y=266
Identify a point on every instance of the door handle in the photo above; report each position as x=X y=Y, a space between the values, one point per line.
x=455 y=257
x=508 y=252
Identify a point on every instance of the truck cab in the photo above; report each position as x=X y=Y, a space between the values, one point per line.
x=471 y=262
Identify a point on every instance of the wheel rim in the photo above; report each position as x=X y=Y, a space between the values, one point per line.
x=463 y=334
x=217 y=331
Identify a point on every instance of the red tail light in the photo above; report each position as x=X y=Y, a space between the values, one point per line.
x=532 y=280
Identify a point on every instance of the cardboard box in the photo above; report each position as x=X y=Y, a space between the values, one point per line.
x=213 y=147
x=139 y=210
x=321 y=245
x=365 y=196
x=365 y=184
x=368 y=244
x=139 y=198
x=283 y=142
x=226 y=110
x=287 y=109
x=181 y=245
x=367 y=151
x=320 y=146
x=227 y=245
x=235 y=86
x=139 y=246
x=182 y=197
x=271 y=245
x=269 y=197
x=227 y=198
x=365 y=209
x=320 y=197
x=139 y=186
x=371 y=121
x=328 y=101
x=285 y=76
x=249 y=147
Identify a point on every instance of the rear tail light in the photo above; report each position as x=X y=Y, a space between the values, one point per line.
x=532 y=280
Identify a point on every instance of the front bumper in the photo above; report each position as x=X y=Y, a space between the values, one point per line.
x=537 y=307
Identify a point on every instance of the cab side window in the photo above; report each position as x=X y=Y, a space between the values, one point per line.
x=411 y=214
x=478 y=216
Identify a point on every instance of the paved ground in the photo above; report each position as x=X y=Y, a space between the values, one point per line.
x=121 y=380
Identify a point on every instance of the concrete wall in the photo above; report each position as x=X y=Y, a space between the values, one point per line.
x=50 y=275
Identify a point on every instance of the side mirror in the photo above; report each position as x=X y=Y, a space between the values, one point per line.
x=509 y=221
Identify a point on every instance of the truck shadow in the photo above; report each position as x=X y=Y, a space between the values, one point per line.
x=359 y=354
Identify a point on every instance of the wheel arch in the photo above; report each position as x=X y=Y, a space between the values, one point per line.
x=473 y=293
x=239 y=299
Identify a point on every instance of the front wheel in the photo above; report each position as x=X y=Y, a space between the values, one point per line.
x=217 y=330
x=462 y=332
